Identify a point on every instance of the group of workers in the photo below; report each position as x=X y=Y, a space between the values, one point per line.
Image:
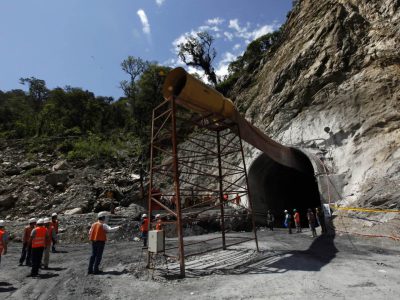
x=313 y=220
x=38 y=238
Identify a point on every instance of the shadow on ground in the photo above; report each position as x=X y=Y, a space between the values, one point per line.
x=6 y=287
x=236 y=262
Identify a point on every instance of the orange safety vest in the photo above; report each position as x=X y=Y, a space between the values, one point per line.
x=145 y=225
x=39 y=241
x=297 y=217
x=97 y=233
x=1 y=241
x=55 y=225
x=159 y=225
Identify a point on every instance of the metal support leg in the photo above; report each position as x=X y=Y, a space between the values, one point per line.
x=177 y=190
x=248 y=191
x=221 y=191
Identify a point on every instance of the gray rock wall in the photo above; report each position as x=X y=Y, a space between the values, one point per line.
x=337 y=67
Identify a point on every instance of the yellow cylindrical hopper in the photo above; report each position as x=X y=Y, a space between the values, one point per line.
x=195 y=95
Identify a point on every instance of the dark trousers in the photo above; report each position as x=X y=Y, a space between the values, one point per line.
x=145 y=235
x=290 y=227
x=271 y=226
x=26 y=254
x=37 y=254
x=97 y=254
x=53 y=248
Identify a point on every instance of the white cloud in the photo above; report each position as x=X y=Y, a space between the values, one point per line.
x=222 y=69
x=228 y=35
x=234 y=24
x=160 y=2
x=245 y=32
x=215 y=21
x=208 y=28
x=236 y=47
x=144 y=21
x=262 y=31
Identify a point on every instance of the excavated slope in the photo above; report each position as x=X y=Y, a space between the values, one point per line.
x=332 y=88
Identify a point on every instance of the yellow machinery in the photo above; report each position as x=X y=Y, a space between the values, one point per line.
x=201 y=98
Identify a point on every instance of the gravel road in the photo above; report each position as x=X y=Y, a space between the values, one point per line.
x=287 y=267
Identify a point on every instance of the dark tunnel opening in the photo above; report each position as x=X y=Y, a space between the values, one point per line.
x=277 y=187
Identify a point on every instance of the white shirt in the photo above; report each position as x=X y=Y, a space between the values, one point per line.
x=106 y=228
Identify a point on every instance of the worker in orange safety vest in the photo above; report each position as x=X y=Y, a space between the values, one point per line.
x=98 y=237
x=54 y=223
x=296 y=217
x=39 y=237
x=3 y=239
x=144 y=229
x=26 y=246
x=159 y=225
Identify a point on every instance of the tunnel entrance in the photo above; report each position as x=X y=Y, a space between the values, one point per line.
x=277 y=187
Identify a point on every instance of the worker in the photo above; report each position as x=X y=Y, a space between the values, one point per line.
x=39 y=236
x=3 y=239
x=237 y=199
x=311 y=222
x=144 y=229
x=54 y=223
x=319 y=214
x=52 y=236
x=98 y=236
x=297 y=220
x=158 y=222
x=270 y=220
x=288 y=221
x=225 y=198
x=26 y=246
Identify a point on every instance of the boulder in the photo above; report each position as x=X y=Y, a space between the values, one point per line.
x=26 y=165
x=56 y=177
x=7 y=201
x=61 y=165
x=13 y=171
x=74 y=211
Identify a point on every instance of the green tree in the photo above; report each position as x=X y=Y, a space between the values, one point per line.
x=197 y=51
x=37 y=91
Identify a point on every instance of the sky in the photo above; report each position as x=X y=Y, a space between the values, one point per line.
x=81 y=43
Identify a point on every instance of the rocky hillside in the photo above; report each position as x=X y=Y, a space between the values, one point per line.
x=332 y=87
x=37 y=183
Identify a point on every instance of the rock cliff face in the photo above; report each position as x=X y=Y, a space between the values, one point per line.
x=332 y=89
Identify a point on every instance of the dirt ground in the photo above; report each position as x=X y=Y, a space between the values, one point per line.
x=287 y=267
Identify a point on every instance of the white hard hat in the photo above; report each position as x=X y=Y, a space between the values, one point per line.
x=54 y=215
x=101 y=214
x=144 y=216
x=32 y=220
x=1 y=223
x=40 y=222
x=285 y=210
x=158 y=216
x=46 y=220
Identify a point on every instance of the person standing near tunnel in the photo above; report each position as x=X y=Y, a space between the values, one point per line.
x=311 y=222
x=270 y=220
x=297 y=220
x=288 y=221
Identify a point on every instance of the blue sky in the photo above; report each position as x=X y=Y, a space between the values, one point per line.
x=81 y=43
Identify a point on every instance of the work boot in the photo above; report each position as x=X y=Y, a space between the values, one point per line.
x=97 y=272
